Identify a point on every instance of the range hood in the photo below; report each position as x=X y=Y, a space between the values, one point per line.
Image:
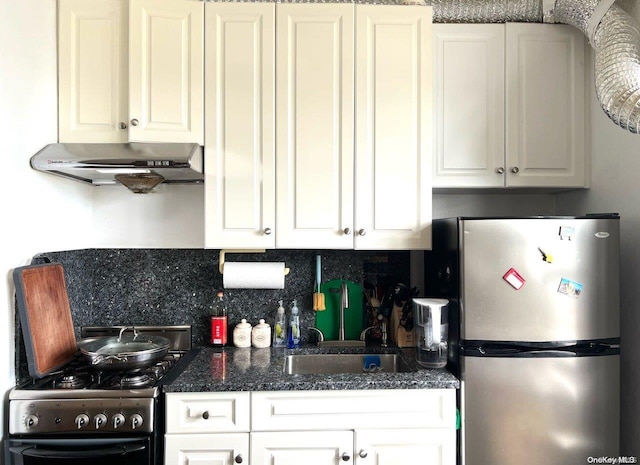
x=138 y=166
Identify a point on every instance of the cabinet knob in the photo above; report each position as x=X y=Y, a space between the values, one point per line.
x=267 y=231
x=500 y=170
x=134 y=122
x=362 y=232
x=345 y=457
x=347 y=231
x=238 y=458
x=515 y=170
x=362 y=454
x=205 y=414
x=122 y=125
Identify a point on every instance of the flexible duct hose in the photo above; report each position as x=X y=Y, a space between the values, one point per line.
x=616 y=42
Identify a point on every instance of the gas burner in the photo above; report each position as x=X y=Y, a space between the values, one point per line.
x=135 y=380
x=71 y=381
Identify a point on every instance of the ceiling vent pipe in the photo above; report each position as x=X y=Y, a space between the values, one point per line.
x=614 y=35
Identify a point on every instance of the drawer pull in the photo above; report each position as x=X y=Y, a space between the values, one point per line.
x=238 y=458
x=205 y=414
x=345 y=457
x=363 y=454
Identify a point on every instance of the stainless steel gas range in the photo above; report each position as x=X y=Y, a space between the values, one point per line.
x=79 y=415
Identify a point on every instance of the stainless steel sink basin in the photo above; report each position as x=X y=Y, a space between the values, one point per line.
x=312 y=364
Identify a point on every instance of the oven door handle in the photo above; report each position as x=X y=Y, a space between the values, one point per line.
x=38 y=452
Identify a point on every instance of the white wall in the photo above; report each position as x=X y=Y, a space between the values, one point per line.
x=615 y=187
x=37 y=215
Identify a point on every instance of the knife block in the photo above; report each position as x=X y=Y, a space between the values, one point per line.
x=397 y=333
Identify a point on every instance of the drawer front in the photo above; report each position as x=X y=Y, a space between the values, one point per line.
x=314 y=410
x=208 y=412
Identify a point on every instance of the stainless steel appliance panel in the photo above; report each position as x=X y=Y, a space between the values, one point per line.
x=580 y=251
x=531 y=411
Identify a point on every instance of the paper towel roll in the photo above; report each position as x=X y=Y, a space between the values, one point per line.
x=253 y=275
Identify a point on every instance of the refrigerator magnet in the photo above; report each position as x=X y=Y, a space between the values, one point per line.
x=566 y=232
x=568 y=287
x=514 y=279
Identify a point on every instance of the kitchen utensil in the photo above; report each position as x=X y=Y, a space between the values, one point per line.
x=45 y=317
x=126 y=352
x=318 y=297
x=329 y=321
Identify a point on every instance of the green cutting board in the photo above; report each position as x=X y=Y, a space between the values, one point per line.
x=328 y=321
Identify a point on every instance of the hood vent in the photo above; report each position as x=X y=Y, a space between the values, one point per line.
x=138 y=166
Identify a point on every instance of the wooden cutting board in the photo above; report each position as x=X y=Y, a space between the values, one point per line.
x=328 y=321
x=45 y=316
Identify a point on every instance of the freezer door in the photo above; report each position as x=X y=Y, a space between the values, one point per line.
x=539 y=280
x=532 y=411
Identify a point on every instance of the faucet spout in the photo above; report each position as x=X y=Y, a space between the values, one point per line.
x=344 y=304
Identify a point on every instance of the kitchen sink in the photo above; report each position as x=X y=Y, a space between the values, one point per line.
x=312 y=364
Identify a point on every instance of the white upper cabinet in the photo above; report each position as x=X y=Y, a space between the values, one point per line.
x=166 y=71
x=545 y=117
x=468 y=105
x=240 y=124
x=393 y=127
x=131 y=71
x=92 y=78
x=314 y=114
x=509 y=106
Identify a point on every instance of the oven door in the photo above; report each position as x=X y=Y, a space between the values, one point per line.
x=96 y=451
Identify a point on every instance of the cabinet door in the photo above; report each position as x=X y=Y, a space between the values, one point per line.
x=239 y=126
x=92 y=70
x=314 y=119
x=545 y=106
x=469 y=105
x=393 y=127
x=166 y=71
x=209 y=449
x=432 y=446
x=308 y=448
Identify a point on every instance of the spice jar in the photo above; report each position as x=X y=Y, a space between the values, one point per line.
x=261 y=335
x=242 y=334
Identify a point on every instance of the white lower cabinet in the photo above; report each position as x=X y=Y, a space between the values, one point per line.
x=209 y=449
x=359 y=427
x=302 y=447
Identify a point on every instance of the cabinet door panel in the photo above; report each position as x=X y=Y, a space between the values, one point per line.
x=239 y=150
x=545 y=106
x=469 y=105
x=393 y=127
x=308 y=448
x=166 y=70
x=402 y=446
x=314 y=114
x=93 y=73
x=206 y=449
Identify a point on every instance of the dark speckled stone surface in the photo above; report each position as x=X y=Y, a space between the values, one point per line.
x=177 y=286
x=234 y=369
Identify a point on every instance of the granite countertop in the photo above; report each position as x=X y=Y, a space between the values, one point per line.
x=251 y=369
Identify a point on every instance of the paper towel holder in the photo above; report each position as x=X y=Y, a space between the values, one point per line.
x=223 y=253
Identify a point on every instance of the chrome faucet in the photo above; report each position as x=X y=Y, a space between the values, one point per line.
x=319 y=334
x=344 y=304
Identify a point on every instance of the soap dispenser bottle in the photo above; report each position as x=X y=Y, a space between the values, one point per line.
x=280 y=328
x=293 y=340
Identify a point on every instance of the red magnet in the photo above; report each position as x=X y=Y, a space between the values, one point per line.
x=514 y=278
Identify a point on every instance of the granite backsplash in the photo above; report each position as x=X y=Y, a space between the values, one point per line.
x=178 y=286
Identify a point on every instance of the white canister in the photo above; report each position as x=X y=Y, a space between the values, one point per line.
x=261 y=335
x=242 y=334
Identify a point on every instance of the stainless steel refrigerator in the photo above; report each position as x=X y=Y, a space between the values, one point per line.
x=534 y=335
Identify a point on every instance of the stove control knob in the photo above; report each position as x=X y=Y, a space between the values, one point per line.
x=31 y=421
x=100 y=420
x=118 y=420
x=136 y=421
x=82 y=420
